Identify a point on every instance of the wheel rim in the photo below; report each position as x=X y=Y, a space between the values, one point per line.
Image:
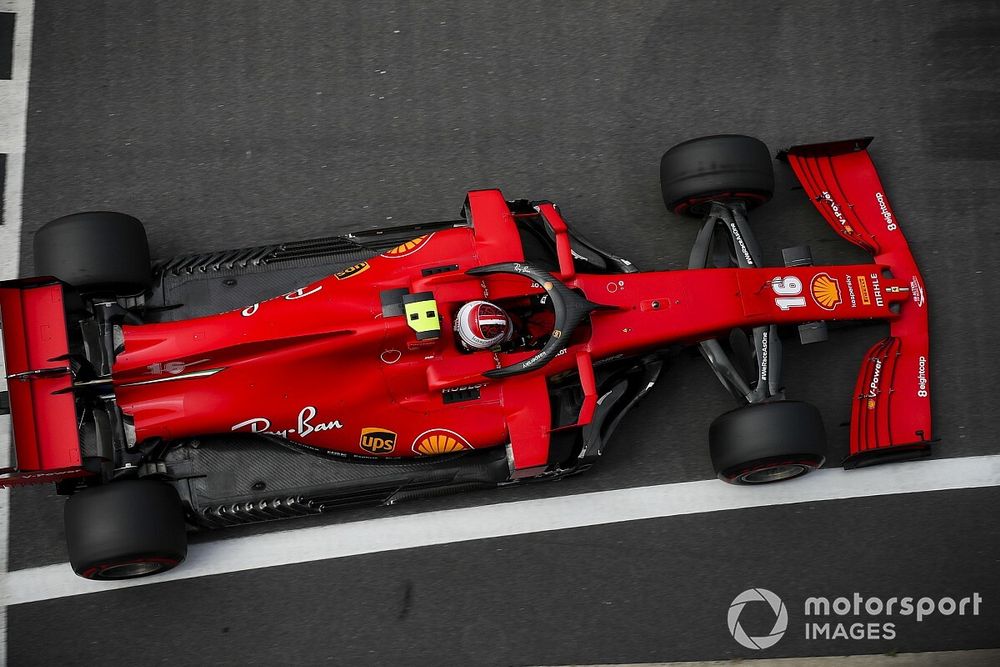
x=130 y=570
x=775 y=473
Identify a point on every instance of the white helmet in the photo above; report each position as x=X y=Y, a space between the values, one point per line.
x=482 y=325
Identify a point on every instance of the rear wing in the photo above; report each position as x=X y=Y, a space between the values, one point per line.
x=35 y=350
x=891 y=415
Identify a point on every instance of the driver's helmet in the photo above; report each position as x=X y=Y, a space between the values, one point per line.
x=481 y=325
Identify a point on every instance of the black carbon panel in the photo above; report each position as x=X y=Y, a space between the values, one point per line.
x=215 y=290
x=203 y=284
x=224 y=470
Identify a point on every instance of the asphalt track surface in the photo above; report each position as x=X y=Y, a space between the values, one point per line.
x=227 y=124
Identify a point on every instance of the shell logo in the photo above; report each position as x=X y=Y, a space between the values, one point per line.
x=439 y=441
x=408 y=248
x=825 y=291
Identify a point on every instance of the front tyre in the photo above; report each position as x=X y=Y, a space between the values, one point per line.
x=724 y=167
x=124 y=530
x=767 y=442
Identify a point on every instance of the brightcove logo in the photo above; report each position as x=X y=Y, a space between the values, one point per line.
x=780 y=618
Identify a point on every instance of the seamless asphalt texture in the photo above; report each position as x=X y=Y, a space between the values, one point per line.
x=223 y=124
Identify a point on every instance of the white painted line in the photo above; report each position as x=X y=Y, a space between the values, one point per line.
x=517 y=518
x=13 y=131
x=13 y=124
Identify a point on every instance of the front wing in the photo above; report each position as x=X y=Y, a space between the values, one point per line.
x=891 y=414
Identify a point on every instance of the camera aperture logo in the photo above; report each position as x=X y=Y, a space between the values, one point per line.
x=780 y=618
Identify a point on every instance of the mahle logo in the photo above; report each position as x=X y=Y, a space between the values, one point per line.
x=780 y=618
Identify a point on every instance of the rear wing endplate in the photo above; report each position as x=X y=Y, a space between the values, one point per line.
x=36 y=368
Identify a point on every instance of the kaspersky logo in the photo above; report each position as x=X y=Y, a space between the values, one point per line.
x=757 y=596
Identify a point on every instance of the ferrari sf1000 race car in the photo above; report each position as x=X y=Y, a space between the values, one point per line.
x=232 y=387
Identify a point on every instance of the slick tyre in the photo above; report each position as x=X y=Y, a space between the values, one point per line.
x=767 y=442
x=125 y=530
x=724 y=167
x=95 y=252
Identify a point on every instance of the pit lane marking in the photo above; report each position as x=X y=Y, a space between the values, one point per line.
x=392 y=533
x=13 y=124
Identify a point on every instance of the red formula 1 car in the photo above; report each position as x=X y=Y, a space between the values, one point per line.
x=233 y=387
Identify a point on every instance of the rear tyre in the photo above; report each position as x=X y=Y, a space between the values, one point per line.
x=124 y=530
x=767 y=442
x=724 y=167
x=96 y=251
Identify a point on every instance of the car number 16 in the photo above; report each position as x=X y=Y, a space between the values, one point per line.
x=788 y=290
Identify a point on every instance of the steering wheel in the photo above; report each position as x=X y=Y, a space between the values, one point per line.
x=570 y=309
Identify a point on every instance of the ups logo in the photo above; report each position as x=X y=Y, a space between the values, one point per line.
x=377 y=441
x=352 y=271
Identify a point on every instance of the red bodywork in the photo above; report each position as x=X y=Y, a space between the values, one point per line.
x=322 y=366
